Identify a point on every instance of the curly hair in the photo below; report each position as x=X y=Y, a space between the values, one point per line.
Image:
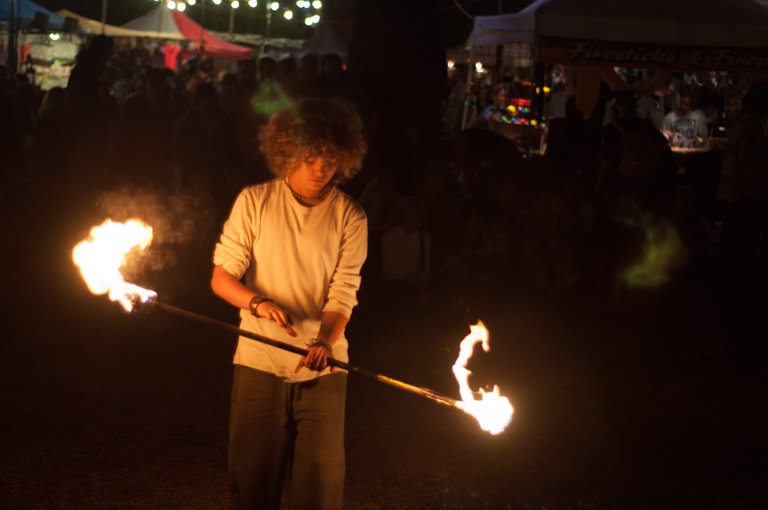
x=327 y=128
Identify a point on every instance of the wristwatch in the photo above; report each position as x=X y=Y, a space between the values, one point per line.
x=254 y=303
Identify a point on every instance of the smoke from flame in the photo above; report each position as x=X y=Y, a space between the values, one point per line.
x=103 y=253
x=492 y=411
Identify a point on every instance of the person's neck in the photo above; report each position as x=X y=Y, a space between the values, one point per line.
x=304 y=197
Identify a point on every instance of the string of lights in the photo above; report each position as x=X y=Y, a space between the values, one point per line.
x=308 y=10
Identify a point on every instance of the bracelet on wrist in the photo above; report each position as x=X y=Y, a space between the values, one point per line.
x=316 y=342
x=253 y=304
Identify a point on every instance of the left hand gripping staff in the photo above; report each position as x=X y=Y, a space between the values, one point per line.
x=319 y=354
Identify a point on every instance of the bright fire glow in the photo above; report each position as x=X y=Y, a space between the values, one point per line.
x=492 y=410
x=102 y=254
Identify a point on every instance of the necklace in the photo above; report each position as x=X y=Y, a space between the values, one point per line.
x=319 y=196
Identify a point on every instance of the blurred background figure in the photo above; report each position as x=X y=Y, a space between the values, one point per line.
x=686 y=126
x=406 y=252
x=91 y=65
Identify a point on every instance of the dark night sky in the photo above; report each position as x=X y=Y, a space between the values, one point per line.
x=455 y=25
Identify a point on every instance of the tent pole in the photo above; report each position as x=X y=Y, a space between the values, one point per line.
x=13 y=34
x=104 y=16
x=160 y=20
x=266 y=33
x=467 y=89
x=539 y=77
x=231 y=21
x=202 y=24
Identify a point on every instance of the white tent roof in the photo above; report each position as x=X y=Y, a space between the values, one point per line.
x=158 y=20
x=506 y=28
x=160 y=23
x=92 y=27
x=326 y=41
x=699 y=23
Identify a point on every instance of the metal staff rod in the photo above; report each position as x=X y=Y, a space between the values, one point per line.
x=418 y=390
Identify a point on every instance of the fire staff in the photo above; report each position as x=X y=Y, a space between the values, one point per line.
x=290 y=257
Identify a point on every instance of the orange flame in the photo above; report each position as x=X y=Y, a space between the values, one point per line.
x=492 y=411
x=103 y=253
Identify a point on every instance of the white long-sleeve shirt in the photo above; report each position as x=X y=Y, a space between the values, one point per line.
x=306 y=259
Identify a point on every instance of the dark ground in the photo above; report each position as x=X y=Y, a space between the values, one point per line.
x=648 y=402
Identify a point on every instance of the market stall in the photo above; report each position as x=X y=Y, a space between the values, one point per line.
x=722 y=45
x=45 y=51
x=597 y=35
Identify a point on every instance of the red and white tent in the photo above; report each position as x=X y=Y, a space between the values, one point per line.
x=162 y=20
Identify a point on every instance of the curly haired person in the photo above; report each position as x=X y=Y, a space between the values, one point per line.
x=289 y=257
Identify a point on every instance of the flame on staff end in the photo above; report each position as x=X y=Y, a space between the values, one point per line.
x=492 y=410
x=102 y=254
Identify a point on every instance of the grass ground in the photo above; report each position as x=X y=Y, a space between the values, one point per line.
x=618 y=405
x=664 y=409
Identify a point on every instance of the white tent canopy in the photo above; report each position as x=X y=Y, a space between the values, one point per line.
x=326 y=41
x=691 y=23
x=92 y=27
x=158 y=20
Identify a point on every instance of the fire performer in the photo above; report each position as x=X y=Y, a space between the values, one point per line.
x=300 y=243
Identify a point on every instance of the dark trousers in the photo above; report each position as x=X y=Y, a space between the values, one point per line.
x=282 y=430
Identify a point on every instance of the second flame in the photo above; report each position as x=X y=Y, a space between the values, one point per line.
x=493 y=411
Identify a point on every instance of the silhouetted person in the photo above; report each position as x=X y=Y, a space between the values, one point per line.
x=406 y=252
x=333 y=77
x=308 y=80
x=198 y=170
x=50 y=156
x=635 y=158
x=91 y=63
x=267 y=68
x=287 y=76
x=144 y=131
x=13 y=142
x=744 y=191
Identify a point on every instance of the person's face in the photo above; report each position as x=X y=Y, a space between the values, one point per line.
x=500 y=98
x=313 y=174
x=686 y=104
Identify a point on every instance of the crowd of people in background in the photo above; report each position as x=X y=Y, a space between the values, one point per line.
x=685 y=147
x=463 y=216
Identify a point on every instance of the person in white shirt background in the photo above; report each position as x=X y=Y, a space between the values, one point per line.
x=686 y=126
x=406 y=247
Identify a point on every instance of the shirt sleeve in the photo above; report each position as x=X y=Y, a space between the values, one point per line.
x=233 y=251
x=668 y=123
x=342 y=293
x=702 y=126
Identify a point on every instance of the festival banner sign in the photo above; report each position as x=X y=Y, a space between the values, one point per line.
x=570 y=51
